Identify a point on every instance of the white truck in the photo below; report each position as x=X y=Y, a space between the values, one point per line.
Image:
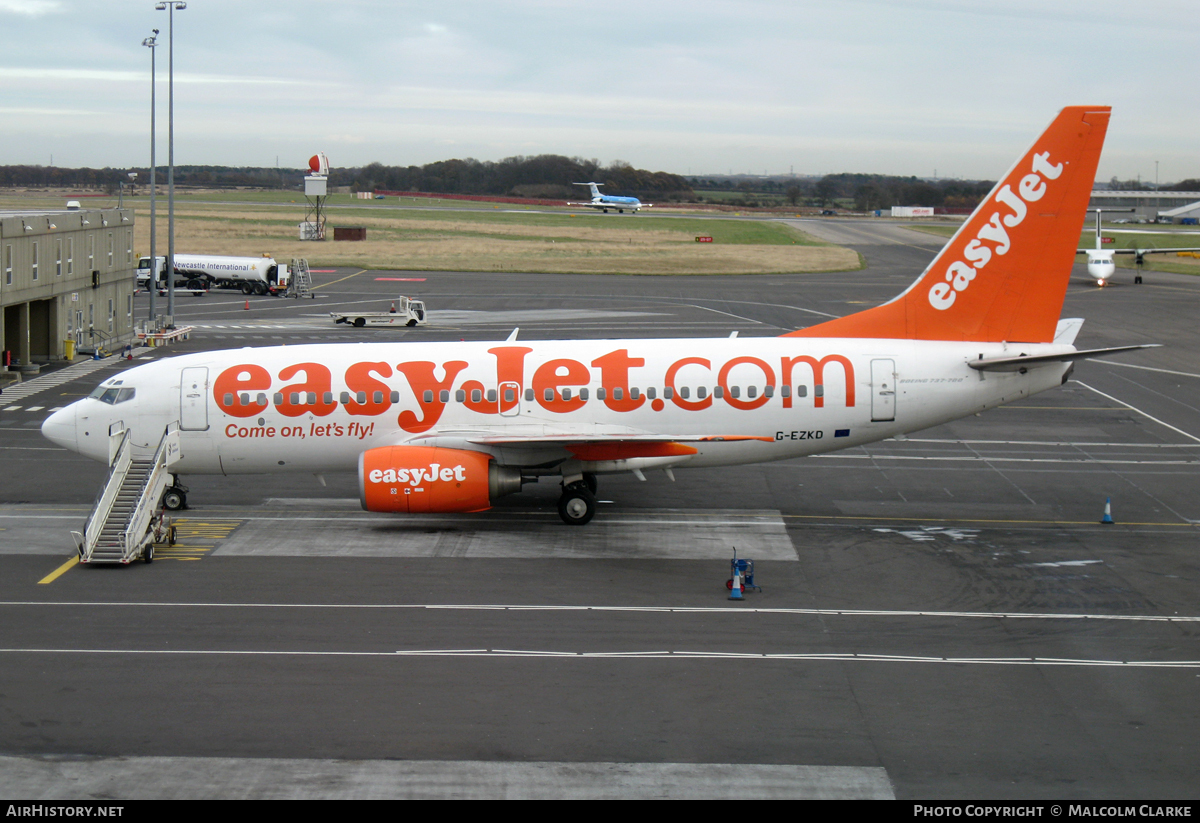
x=404 y=312
x=198 y=272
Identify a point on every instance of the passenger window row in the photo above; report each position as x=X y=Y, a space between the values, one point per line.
x=460 y=396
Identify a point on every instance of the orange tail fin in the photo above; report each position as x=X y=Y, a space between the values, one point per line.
x=1003 y=275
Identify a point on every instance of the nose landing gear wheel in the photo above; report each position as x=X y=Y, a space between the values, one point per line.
x=577 y=505
x=174 y=499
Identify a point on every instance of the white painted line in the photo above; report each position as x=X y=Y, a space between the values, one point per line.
x=841 y=657
x=1145 y=368
x=707 y=610
x=35 y=408
x=1044 y=443
x=13 y=408
x=607 y=520
x=995 y=459
x=263 y=778
x=1142 y=413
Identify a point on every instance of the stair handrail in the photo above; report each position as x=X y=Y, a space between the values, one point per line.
x=108 y=496
x=151 y=489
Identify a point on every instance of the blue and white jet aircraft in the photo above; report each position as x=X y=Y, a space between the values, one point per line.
x=604 y=202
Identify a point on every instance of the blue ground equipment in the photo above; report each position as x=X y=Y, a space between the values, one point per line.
x=741 y=577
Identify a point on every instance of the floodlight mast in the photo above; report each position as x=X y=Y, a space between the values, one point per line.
x=151 y=43
x=169 y=6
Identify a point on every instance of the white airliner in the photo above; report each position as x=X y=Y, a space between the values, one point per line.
x=449 y=427
x=604 y=202
x=1100 y=263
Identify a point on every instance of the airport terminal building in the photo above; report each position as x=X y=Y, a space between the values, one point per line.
x=68 y=275
x=1148 y=206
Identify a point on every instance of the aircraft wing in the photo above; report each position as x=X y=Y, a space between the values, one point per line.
x=614 y=446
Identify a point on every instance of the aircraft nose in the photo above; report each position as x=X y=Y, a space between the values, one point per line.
x=60 y=429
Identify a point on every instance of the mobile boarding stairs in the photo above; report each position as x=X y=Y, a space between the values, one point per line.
x=299 y=281
x=128 y=518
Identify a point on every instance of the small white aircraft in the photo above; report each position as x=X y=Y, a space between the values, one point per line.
x=451 y=426
x=604 y=202
x=1100 y=263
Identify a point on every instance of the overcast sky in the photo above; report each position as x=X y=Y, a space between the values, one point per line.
x=959 y=87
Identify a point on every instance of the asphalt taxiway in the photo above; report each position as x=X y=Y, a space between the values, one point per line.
x=942 y=616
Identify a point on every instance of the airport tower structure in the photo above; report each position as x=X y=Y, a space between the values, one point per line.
x=316 y=188
x=67 y=283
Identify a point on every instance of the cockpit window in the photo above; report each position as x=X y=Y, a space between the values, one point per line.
x=111 y=395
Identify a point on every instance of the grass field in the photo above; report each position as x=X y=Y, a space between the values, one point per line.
x=1126 y=240
x=464 y=236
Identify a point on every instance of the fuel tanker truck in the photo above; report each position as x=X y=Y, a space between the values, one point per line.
x=199 y=272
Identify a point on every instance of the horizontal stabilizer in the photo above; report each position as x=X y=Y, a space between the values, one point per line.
x=1028 y=362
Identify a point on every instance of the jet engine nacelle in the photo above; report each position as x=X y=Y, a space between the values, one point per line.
x=429 y=479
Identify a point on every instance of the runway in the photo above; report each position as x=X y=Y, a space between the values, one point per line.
x=942 y=616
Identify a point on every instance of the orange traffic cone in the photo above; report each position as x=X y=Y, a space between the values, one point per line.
x=247 y=305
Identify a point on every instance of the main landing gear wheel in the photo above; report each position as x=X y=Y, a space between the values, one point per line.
x=577 y=505
x=174 y=499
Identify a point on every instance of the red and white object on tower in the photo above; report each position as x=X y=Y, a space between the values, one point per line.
x=316 y=188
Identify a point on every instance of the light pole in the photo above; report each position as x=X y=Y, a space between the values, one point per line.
x=151 y=42
x=170 y=6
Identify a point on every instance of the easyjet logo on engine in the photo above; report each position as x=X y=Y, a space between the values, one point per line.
x=560 y=385
x=415 y=477
x=992 y=239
